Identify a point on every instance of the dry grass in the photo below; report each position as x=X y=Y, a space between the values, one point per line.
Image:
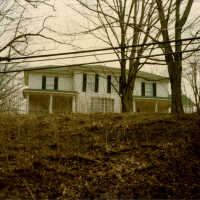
x=99 y=156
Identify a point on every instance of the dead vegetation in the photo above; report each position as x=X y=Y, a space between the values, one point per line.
x=100 y=156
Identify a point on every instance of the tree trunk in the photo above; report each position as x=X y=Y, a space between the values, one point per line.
x=198 y=109
x=127 y=100
x=176 y=93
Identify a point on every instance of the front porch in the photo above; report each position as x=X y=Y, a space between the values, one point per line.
x=151 y=104
x=43 y=101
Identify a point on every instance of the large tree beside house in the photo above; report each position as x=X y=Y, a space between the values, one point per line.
x=119 y=23
x=174 y=55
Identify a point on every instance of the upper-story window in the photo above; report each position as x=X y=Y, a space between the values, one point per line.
x=90 y=82
x=148 y=89
x=49 y=83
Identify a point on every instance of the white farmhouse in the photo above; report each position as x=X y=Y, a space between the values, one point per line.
x=88 y=89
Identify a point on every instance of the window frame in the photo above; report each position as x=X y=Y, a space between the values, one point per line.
x=54 y=82
x=102 y=105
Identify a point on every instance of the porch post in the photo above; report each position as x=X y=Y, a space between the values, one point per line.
x=156 y=107
x=51 y=104
x=134 y=106
x=73 y=104
x=27 y=104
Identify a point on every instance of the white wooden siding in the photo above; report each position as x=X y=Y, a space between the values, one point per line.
x=137 y=89
x=65 y=82
x=162 y=89
x=78 y=81
x=35 y=81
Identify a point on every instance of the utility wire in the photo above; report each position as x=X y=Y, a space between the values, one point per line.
x=96 y=50
x=82 y=56
x=62 y=58
x=89 y=63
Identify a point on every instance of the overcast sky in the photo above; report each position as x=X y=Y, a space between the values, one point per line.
x=65 y=20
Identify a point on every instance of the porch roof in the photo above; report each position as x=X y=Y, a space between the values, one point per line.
x=49 y=92
x=152 y=98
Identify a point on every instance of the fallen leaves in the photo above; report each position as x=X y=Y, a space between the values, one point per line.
x=99 y=156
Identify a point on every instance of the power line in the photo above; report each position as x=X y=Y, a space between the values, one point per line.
x=90 y=63
x=81 y=56
x=62 y=58
x=96 y=50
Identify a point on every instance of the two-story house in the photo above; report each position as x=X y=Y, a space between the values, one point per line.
x=87 y=89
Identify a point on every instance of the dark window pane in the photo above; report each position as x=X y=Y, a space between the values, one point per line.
x=154 y=90
x=84 y=82
x=43 y=82
x=55 y=83
x=96 y=83
x=109 y=84
x=143 y=89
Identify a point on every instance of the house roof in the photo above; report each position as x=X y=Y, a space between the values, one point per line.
x=140 y=74
x=96 y=68
x=186 y=100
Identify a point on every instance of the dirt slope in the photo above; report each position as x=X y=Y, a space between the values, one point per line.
x=100 y=156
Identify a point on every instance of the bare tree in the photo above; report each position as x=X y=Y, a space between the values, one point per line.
x=174 y=55
x=124 y=23
x=10 y=85
x=15 y=31
x=192 y=75
x=16 y=35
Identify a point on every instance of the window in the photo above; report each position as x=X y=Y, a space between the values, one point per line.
x=115 y=85
x=102 y=105
x=109 y=105
x=148 y=89
x=88 y=82
x=109 y=84
x=49 y=82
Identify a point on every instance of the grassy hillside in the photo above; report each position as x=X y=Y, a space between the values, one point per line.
x=100 y=156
